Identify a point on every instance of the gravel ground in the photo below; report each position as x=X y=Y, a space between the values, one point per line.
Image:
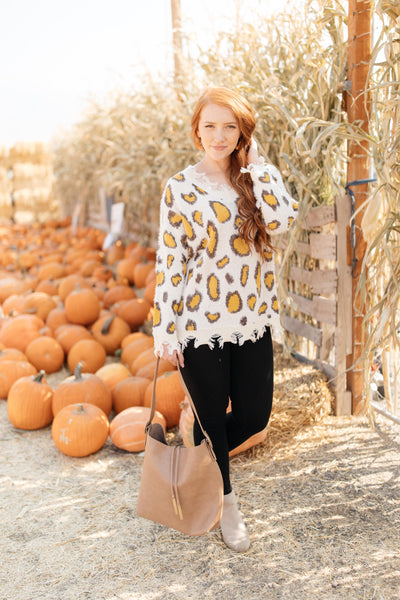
x=323 y=513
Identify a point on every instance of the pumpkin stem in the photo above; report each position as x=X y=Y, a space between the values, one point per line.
x=78 y=371
x=38 y=378
x=105 y=330
x=79 y=409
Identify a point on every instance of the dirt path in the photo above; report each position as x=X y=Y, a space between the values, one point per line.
x=323 y=513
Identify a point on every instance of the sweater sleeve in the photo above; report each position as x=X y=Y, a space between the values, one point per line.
x=171 y=264
x=278 y=208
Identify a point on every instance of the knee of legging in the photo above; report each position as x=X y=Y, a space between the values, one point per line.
x=256 y=422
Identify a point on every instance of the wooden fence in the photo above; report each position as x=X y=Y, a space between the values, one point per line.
x=319 y=283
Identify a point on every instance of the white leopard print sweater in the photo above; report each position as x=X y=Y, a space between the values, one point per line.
x=211 y=286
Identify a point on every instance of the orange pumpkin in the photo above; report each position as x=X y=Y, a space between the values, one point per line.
x=18 y=331
x=80 y=429
x=12 y=354
x=149 y=369
x=149 y=291
x=51 y=270
x=133 y=350
x=112 y=374
x=118 y=293
x=132 y=337
x=115 y=253
x=129 y=392
x=29 y=402
x=69 y=334
x=82 y=387
x=82 y=306
x=38 y=303
x=9 y=286
x=69 y=283
x=135 y=312
x=169 y=396
x=142 y=253
x=48 y=286
x=124 y=269
x=88 y=352
x=143 y=359
x=127 y=429
x=89 y=266
x=56 y=318
x=13 y=305
x=46 y=354
x=102 y=273
x=110 y=331
x=11 y=371
x=141 y=271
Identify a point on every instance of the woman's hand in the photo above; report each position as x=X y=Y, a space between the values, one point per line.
x=175 y=357
x=252 y=155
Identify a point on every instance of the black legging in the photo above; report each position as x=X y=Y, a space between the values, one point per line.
x=243 y=374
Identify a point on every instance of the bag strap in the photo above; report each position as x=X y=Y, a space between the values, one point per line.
x=153 y=404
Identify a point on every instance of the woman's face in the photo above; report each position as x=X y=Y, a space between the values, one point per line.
x=218 y=131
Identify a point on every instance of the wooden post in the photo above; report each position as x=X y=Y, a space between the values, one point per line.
x=177 y=44
x=344 y=333
x=357 y=101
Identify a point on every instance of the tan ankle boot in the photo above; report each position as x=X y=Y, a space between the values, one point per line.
x=234 y=532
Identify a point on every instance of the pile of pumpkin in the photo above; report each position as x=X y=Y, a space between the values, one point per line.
x=67 y=303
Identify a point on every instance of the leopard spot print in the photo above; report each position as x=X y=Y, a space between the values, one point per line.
x=193 y=302
x=212 y=317
x=170 y=260
x=233 y=302
x=244 y=274
x=257 y=276
x=190 y=198
x=262 y=308
x=188 y=229
x=156 y=315
x=213 y=288
x=179 y=177
x=200 y=190
x=174 y=218
x=238 y=222
x=212 y=239
x=264 y=178
x=190 y=325
x=198 y=217
x=271 y=200
x=269 y=280
x=177 y=307
x=251 y=301
x=222 y=262
x=171 y=327
x=169 y=197
x=239 y=245
x=176 y=279
x=268 y=255
x=221 y=211
x=169 y=240
x=272 y=225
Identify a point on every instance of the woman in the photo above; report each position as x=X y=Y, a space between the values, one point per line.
x=216 y=297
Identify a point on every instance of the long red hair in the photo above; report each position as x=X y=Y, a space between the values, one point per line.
x=252 y=228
